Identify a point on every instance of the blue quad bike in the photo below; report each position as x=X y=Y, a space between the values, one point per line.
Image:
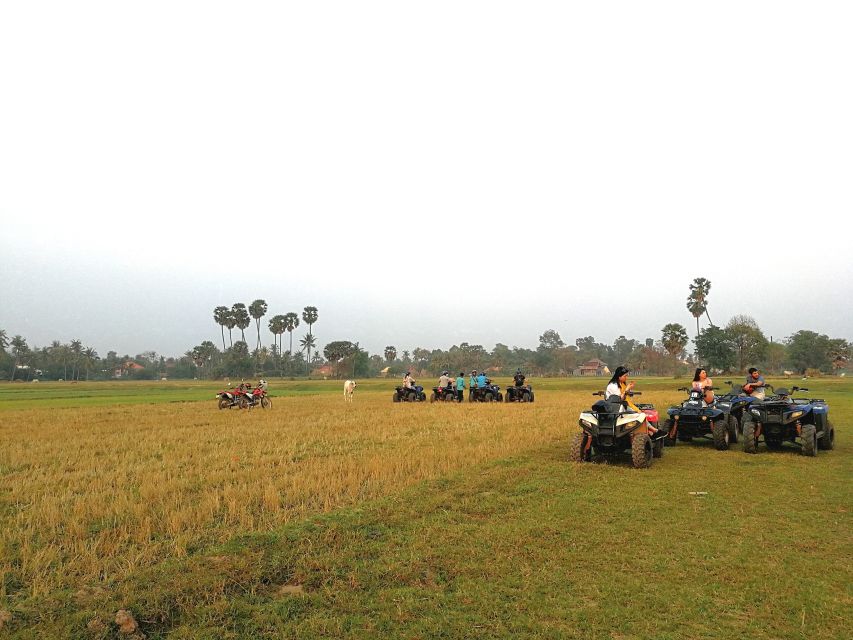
x=693 y=418
x=489 y=393
x=415 y=394
x=781 y=418
x=734 y=404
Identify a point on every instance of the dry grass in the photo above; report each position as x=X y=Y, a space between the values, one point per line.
x=91 y=495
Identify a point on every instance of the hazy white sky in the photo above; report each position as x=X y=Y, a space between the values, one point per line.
x=423 y=174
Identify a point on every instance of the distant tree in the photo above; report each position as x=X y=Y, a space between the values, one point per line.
x=230 y=323
x=4 y=340
x=241 y=318
x=308 y=342
x=714 y=348
x=20 y=352
x=697 y=301
x=623 y=348
x=277 y=326
x=291 y=322
x=838 y=353
x=674 y=338
x=337 y=353
x=406 y=357
x=775 y=356
x=809 y=350
x=90 y=358
x=220 y=317
x=309 y=317
x=76 y=348
x=258 y=310
x=390 y=354
x=747 y=340
x=551 y=340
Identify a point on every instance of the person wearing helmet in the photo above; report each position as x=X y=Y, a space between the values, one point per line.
x=460 y=386
x=518 y=378
x=445 y=381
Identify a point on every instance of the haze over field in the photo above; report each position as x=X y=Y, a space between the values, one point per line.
x=475 y=172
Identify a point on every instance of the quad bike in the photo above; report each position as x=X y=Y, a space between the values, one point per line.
x=443 y=394
x=519 y=394
x=612 y=427
x=489 y=393
x=733 y=405
x=415 y=393
x=781 y=418
x=693 y=418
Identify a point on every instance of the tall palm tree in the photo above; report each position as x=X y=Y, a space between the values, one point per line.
x=291 y=321
x=241 y=318
x=258 y=310
x=697 y=301
x=390 y=354
x=309 y=315
x=90 y=356
x=308 y=342
x=77 y=350
x=277 y=327
x=230 y=323
x=220 y=317
x=19 y=353
x=4 y=340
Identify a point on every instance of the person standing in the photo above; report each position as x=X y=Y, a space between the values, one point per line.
x=472 y=384
x=460 y=387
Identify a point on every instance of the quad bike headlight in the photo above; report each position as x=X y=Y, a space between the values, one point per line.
x=755 y=412
x=796 y=414
x=632 y=424
x=585 y=423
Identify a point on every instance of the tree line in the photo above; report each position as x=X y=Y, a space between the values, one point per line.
x=733 y=348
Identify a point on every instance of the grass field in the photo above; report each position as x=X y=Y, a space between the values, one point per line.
x=321 y=519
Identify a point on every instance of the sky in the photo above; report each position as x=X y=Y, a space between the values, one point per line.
x=424 y=174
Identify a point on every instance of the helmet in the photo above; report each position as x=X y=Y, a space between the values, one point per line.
x=444 y=373
x=518 y=370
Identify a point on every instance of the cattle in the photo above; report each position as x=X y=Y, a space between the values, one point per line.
x=349 y=388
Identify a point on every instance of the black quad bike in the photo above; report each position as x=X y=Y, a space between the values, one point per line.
x=415 y=394
x=523 y=393
x=612 y=427
x=443 y=394
x=734 y=403
x=779 y=418
x=695 y=419
x=489 y=393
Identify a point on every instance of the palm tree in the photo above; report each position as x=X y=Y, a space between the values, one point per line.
x=277 y=327
x=258 y=310
x=4 y=340
x=697 y=301
x=19 y=353
x=241 y=318
x=308 y=342
x=77 y=350
x=309 y=315
x=230 y=322
x=291 y=321
x=220 y=317
x=390 y=354
x=90 y=356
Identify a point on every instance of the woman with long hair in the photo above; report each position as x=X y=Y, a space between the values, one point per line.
x=703 y=384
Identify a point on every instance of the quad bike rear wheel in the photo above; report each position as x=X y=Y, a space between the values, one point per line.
x=827 y=440
x=449 y=397
x=396 y=397
x=750 y=442
x=720 y=433
x=266 y=403
x=657 y=448
x=412 y=396
x=641 y=451
x=489 y=397
x=525 y=397
x=433 y=397
x=577 y=450
x=809 y=436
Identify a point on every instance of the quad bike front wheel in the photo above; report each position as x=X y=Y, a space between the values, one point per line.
x=809 y=436
x=578 y=451
x=224 y=403
x=731 y=427
x=641 y=451
x=827 y=440
x=750 y=442
x=526 y=397
x=657 y=448
x=266 y=403
x=720 y=433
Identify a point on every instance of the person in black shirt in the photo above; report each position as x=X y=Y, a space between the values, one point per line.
x=518 y=378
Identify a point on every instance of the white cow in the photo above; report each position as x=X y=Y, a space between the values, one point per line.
x=349 y=388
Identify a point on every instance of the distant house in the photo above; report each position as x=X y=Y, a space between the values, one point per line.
x=127 y=368
x=594 y=367
x=384 y=372
x=325 y=371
